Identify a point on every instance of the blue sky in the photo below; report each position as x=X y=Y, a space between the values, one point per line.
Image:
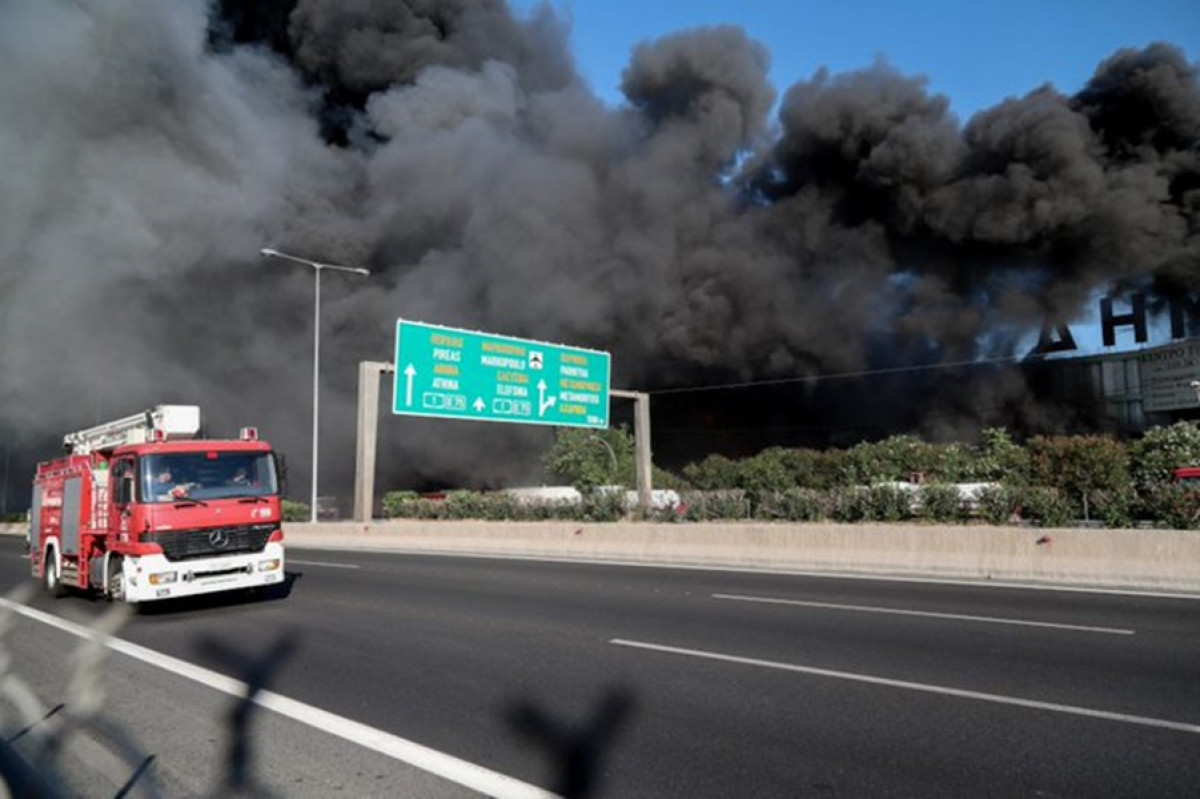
x=975 y=52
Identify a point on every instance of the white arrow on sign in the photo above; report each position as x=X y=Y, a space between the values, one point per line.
x=409 y=372
x=479 y=405
x=544 y=403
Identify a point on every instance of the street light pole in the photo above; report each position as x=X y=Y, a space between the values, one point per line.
x=317 y=268
x=4 y=501
x=611 y=454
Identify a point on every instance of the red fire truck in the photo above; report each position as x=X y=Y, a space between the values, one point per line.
x=140 y=509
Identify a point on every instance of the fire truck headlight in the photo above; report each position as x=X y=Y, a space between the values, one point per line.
x=268 y=565
x=163 y=578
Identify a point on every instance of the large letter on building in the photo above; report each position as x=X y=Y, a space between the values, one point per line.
x=1136 y=317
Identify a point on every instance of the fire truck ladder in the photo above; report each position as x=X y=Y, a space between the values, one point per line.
x=100 y=495
x=158 y=423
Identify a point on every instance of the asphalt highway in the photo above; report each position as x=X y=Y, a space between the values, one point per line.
x=620 y=681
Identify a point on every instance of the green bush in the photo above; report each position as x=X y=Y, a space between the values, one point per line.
x=502 y=506
x=940 y=502
x=839 y=467
x=810 y=468
x=1080 y=467
x=1160 y=451
x=1049 y=507
x=1000 y=458
x=661 y=478
x=894 y=458
x=399 y=504
x=602 y=506
x=954 y=463
x=295 y=511
x=998 y=503
x=664 y=515
x=703 y=506
x=765 y=472
x=793 y=505
x=1050 y=480
x=410 y=505
x=1114 y=508
x=492 y=505
x=888 y=503
x=714 y=473
x=1175 y=505
x=544 y=510
x=848 y=504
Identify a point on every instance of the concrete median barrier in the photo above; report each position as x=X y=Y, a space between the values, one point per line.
x=1162 y=560
x=1150 y=560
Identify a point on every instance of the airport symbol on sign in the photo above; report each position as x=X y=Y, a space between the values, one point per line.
x=461 y=374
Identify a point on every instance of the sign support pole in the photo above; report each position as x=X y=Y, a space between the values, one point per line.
x=367 y=438
x=641 y=440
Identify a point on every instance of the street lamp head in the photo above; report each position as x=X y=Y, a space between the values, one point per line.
x=268 y=252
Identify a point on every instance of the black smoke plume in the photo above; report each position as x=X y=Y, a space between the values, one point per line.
x=150 y=150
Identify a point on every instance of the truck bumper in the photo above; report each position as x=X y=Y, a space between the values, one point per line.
x=152 y=577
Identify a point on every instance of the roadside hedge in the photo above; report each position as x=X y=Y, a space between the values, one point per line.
x=1048 y=481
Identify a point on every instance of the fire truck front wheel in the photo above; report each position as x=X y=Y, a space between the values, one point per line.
x=50 y=576
x=116 y=580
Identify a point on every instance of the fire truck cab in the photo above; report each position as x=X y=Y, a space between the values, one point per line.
x=140 y=509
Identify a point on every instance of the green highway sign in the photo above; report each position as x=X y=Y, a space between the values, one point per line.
x=461 y=374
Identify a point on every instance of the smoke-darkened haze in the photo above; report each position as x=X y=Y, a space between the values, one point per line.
x=711 y=229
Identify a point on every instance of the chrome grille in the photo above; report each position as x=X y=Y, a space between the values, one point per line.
x=210 y=542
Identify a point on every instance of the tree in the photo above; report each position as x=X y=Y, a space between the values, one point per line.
x=765 y=472
x=894 y=458
x=588 y=459
x=1082 y=467
x=1000 y=458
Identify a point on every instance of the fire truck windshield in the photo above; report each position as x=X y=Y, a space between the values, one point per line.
x=206 y=475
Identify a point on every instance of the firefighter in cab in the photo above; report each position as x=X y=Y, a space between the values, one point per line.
x=166 y=488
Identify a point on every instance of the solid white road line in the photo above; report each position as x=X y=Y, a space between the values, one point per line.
x=462 y=772
x=926 y=614
x=1145 y=721
x=293 y=561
